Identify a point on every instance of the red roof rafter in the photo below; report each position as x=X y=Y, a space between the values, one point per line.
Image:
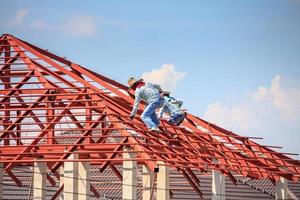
x=51 y=108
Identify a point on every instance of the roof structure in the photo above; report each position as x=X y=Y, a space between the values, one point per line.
x=51 y=108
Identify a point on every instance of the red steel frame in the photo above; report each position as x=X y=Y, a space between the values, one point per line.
x=51 y=108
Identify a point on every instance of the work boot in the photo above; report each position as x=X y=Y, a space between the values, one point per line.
x=155 y=129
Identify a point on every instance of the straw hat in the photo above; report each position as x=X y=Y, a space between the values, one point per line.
x=132 y=82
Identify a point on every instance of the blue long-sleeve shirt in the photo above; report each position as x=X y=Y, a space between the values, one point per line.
x=148 y=93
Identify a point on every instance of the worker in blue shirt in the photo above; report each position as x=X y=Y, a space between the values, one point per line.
x=150 y=94
x=173 y=108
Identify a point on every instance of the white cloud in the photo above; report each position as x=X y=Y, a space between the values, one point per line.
x=272 y=112
x=284 y=98
x=76 y=26
x=167 y=77
x=80 y=25
x=42 y=26
x=232 y=116
x=20 y=16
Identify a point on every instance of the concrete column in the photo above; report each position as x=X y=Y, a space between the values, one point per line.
x=71 y=179
x=84 y=180
x=129 y=176
x=1 y=180
x=281 y=189
x=218 y=185
x=147 y=182
x=61 y=181
x=163 y=182
x=39 y=180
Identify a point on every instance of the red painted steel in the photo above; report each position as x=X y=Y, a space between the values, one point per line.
x=51 y=108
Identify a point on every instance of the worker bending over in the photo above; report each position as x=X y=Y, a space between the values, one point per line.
x=150 y=94
x=173 y=108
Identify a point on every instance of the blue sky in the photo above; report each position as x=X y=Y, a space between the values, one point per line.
x=236 y=63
